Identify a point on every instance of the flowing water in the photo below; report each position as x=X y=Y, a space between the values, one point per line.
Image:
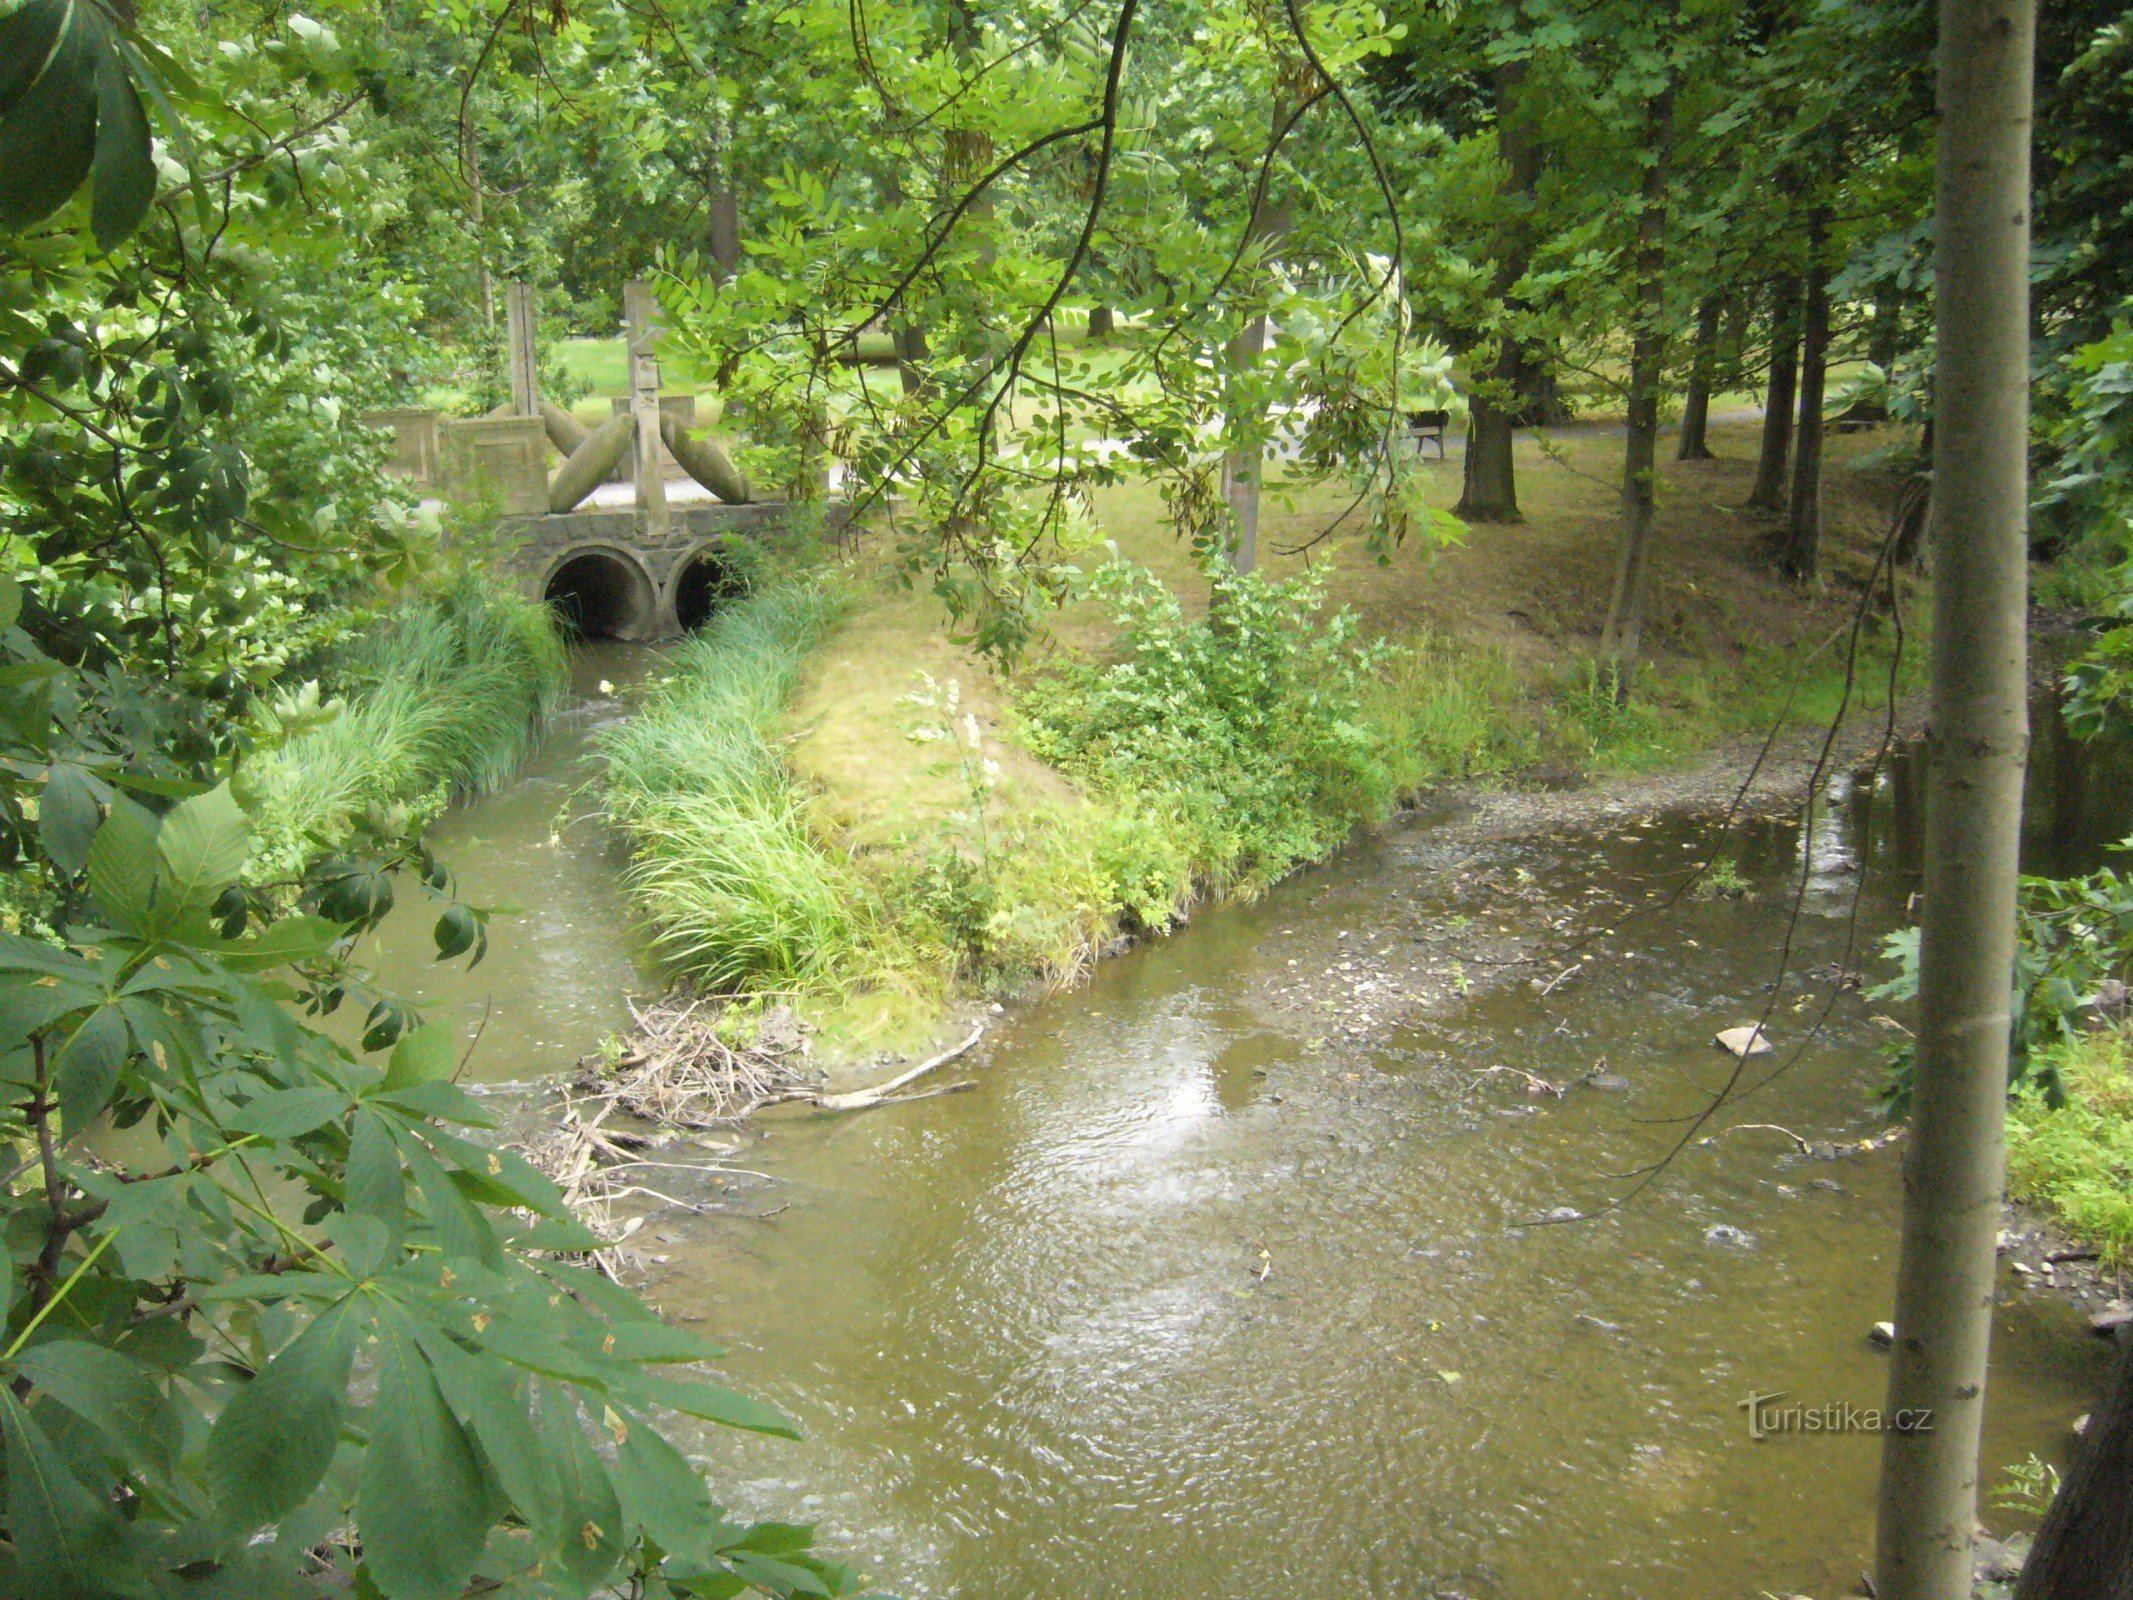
x=1210 y=1288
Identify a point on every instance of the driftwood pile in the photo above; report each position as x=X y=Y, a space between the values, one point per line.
x=680 y=1072
x=597 y=1167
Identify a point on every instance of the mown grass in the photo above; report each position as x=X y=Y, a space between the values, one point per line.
x=740 y=895
x=445 y=698
x=2076 y=1162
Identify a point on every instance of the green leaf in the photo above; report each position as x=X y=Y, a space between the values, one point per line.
x=709 y=1401
x=302 y=938
x=114 y=1395
x=69 y=1544
x=87 y=1067
x=660 y=1341
x=549 y=1234
x=773 y=1576
x=591 y=1515
x=363 y=1242
x=478 y=1389
x=423 y=1055
x=661 y=1493
x=517 y=1182
x=47 y=107
x=422 y=1507
x=123 y=173
x=276 y=1438
x=10 y=601
x=461 y=1228
x=445 y=1101
x=376 y=1185
x=122 y=865
x=68 y=816
x=204 y=843
x=289 y=1113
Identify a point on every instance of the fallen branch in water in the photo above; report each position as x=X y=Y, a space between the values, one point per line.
x=1805 y=1146
x=862 y=1099
x=1534 y=1084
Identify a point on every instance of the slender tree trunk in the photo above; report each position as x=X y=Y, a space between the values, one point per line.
x=485 y=284
x=1884 y=348
x=1696 y=403
x=2085 y=1548
x=911 y=353
x=1489 y=489
x=1242 y=465
x=1779 y=393
x=1803 y=530
x=723 y=219
x=1622 y=638
x=1954 y=1162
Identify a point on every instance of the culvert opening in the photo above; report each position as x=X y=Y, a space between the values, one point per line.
x=706 y=582
x=600 y=595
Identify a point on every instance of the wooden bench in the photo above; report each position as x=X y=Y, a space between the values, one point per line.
x=1430 y=426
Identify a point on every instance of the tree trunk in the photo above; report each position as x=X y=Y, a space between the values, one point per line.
x=1101 y=322
x=1954 y=1163
x=1778 y=396
x=1622 y=638
x=2084 y=1551
x=1803 y=530
x=476 y=216
x=911 y=353
x=1241 y=466
x=1489 y=489
x=1884 y=339
x=1696 y=403
x=724 y=228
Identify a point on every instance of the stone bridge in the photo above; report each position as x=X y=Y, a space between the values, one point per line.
x=610 y=576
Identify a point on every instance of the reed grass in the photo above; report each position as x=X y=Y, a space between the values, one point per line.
x=740 y=895
x=444 y=699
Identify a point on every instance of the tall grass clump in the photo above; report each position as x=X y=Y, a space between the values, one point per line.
x=726 y=866
x=1243 y=730
x=1448 y=714
x=445 y=697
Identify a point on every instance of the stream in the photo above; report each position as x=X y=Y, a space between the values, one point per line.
x=1230 y=1275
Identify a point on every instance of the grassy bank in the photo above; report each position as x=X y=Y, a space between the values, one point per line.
x=1143 y=756
x=2075 y=1163
x=443 y=699
x=740 y=894
x=830 y=797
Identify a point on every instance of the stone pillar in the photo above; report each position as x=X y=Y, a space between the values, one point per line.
x=503 y=456
x=640 y=313
x=414 y=431
x=525 y=363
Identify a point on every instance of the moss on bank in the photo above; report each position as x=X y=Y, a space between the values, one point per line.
x=443 y=699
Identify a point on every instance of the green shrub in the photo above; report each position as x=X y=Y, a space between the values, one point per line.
x=740 y=894
x=2075 y=1159
x=1242 y=730
x=446 y=697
